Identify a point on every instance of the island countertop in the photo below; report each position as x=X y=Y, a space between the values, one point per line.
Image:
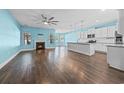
x=83 y=48
x=79 y=43
x=107 y=44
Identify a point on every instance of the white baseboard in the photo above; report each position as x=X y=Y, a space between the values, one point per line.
x=7 y=61
x=4 y=63
x=27 y=49
x=50 y=48
x=101 y=52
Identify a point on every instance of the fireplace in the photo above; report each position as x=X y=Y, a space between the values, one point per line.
x=40 y=45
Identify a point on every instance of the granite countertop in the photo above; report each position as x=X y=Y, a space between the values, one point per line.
x=115 y=45
x=107 y=44
x=86 y=43
x=79 y=43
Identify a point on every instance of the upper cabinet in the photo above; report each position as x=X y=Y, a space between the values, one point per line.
x=91 y=31
x=84 y=35
x=97 y=33
x=104 y=32
x=101 y=32
x=111 y=31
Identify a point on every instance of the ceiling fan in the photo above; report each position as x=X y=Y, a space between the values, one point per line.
x=48 y=21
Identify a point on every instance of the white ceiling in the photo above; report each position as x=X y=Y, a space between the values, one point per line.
x=70 y=19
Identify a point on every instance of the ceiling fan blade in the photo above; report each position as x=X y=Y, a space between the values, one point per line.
x=51 y=18
x=35 y=18
x=43 y=16
x=54 y=21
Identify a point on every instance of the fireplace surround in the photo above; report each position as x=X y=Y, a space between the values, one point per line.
x=40 y=45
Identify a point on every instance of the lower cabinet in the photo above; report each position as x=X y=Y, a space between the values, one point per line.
x=83 y=48
x=100 y=47
x=88 y=49
x=72 y=47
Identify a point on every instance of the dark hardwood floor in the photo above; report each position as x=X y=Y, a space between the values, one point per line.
x=59 y=66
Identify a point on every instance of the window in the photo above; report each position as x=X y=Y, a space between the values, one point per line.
x=27 y=38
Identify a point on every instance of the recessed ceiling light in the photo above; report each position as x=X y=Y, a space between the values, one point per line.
x=45 y=23
x=103 y=9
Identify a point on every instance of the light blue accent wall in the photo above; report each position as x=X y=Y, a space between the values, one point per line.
x=71 y=37
x=34 y=36
x=9 y=36
x=58 y=41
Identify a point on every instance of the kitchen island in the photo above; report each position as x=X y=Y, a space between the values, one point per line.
x=83 y=48
x=115 y=56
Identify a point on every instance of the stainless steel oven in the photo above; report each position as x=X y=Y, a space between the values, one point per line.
x=119 y=38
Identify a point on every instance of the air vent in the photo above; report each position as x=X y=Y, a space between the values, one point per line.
x=40 y=34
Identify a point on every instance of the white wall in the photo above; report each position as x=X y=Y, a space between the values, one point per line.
x=121 y=21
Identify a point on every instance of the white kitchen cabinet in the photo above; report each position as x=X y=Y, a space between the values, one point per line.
x=83 y=48
x=104 y=40
x=111 y=31
x=102 y=32
x=72 y=46
x=100 y=47
x=85 y=34
x=88 y=32
x=115 y=56
x=97 y=33
x=91 y=31
x=105 y=32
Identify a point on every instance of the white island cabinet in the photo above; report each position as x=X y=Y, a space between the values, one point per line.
x=83 y=48
x=115 y=56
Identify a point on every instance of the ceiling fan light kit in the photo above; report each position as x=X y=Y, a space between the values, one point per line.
x=45 y=23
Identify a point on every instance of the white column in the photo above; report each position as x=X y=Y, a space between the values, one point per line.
x=121 y=21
